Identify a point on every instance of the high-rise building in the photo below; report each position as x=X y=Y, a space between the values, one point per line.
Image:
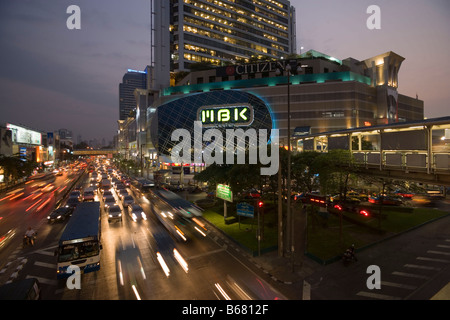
x=218 y=32
x=132 y=80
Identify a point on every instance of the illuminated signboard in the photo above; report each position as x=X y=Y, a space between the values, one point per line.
x=21 y=135
x=224 y=192
x=225 y=115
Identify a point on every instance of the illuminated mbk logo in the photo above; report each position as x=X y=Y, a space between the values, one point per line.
x=231 y=148
x=225 y=115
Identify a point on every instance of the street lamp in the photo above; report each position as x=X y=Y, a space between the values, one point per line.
x=289 y=216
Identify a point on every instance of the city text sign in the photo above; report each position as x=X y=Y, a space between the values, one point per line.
x=225 y=115
x=224 y=192
x=245 y=210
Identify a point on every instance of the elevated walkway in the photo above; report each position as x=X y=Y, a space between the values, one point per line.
x=418 y=150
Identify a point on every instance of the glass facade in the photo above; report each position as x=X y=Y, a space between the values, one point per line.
x=127 y=102
x=217 y=32
x=183 y=112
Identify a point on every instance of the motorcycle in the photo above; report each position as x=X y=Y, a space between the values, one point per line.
x=29 y=241
x=349 y=256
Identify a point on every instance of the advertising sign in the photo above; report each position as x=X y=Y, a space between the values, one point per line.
x=244 y=209
x=223 y=115
x=24 y=136
x=224 y=192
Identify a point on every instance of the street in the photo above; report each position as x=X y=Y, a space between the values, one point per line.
x=142 y=260
x=130 y=268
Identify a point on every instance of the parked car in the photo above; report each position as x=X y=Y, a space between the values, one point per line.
x=60 y=214
x=386 y=200
x=252 y=194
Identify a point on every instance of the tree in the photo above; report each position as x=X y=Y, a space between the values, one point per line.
x=15 y=168
x=304 y=171
x=335 y=169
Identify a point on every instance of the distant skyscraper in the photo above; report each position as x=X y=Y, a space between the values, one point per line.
x=218 y=32
x=131 y=80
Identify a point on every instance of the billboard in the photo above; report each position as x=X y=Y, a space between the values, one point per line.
x=22 y=135
x=224 y=192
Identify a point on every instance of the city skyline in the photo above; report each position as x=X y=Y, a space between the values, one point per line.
x=58 y=78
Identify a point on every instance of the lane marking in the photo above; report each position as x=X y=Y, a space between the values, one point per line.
x=432 y=259
x=397 y=285
x=439 y=252
x=306 y=295
x=44 y=280
x=421 y=267
x=205 y=254
x=377 y=296
x=44 y=264
x=410 y=275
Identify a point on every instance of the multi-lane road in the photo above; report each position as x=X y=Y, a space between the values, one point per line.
x=132 y=257
x=415 y=265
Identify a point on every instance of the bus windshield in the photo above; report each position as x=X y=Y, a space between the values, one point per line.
x=70 y=252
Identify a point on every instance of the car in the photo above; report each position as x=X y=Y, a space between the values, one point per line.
x=136 y=212
x=72 y=202
x=120 y=186
x=127 y=200
x=122 y=193
x=252 y=194
x=88 y=195
x=114 y=213
x=75 y=194
x=5 y=239
x=387 y=200
x=109 y=201
x=107 y=194
x=60 y=214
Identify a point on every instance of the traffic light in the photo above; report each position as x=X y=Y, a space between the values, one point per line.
x=260 y=204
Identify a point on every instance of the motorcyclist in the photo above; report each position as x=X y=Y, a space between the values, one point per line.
x=351 y=251
x=349 y=254
x=29 y=235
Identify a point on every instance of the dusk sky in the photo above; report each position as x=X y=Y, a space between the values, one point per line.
x=52 y=77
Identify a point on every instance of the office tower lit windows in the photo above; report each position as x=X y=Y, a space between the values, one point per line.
x=131 y=80
x=218 y=32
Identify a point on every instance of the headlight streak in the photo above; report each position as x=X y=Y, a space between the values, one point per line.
x=120 y=273
x=163 y=264
x=180 y=260
x=200 y=231
x=141 y=268
x=135 y=292
x=222 y=292
x=180 y=233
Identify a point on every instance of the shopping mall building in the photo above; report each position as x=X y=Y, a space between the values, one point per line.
x=322 y=94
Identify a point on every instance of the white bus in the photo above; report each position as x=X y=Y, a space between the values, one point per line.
x=80 y=242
